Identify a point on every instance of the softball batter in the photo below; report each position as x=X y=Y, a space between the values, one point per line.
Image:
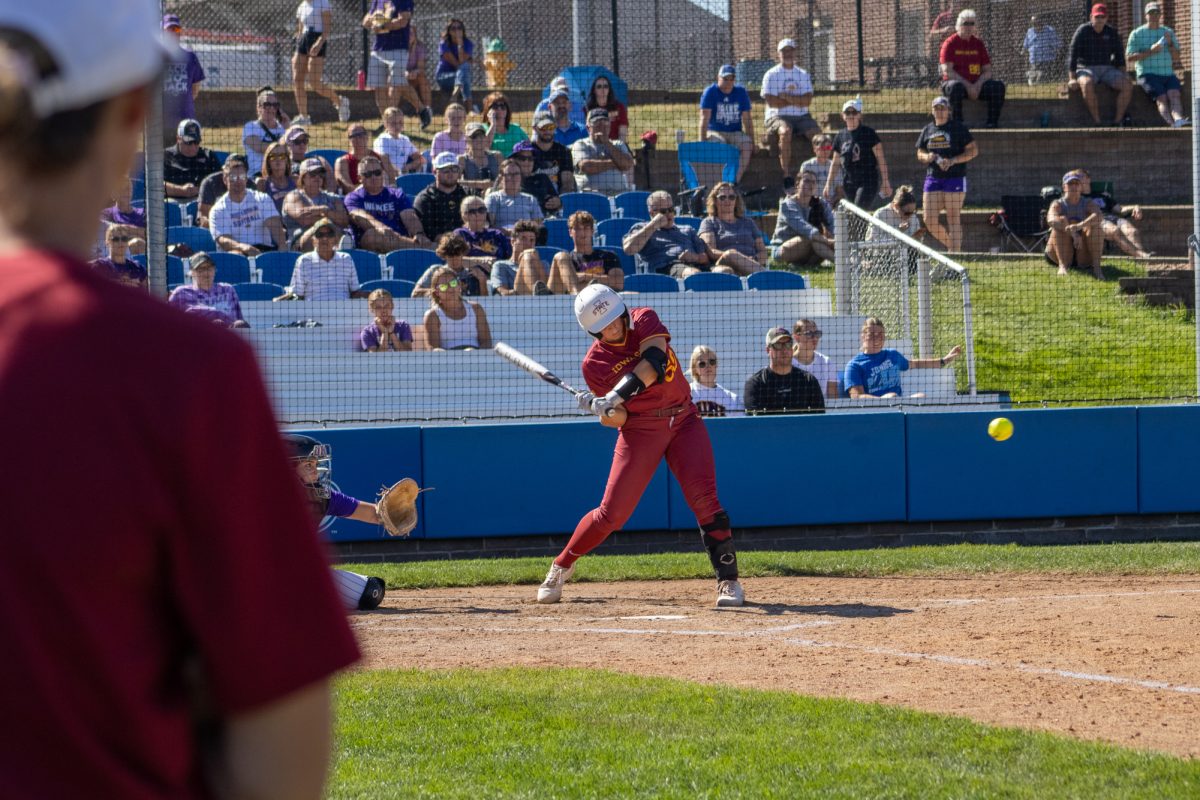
x=640 y=389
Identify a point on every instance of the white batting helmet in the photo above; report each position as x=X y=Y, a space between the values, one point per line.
x=596 y=307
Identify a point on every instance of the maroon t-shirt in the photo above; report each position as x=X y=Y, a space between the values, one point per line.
x=605 y=363
x=151 y=518
x=967 y=57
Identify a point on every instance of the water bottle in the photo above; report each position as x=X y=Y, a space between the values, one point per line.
x=362 y=80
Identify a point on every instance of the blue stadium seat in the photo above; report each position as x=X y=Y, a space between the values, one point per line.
x=650 y=282
x=221 y=155
x=596 y=204
x=196 y=238
x=367 y=264
x=232 y=267
x=174 y=213
x=139 y=189
x=628 y=265
x=190 y=210
x=612 y=231
x=632 y=205
x=397 y=288
x=250 y=292
x=558 y=234
x=692 y=222
x=329 y=154
x=547 y=254
x=175 y=275
x=413 y=182
x=410 y=265
x=775 y=279
x=276 y=267
x=692 y=153
x=712 y=282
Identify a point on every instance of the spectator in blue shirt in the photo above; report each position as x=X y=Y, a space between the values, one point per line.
x=665 y=247
x=1042 y=44
x=1153 y=49
x=725 y=116
x=875 y=372
x=566 y=132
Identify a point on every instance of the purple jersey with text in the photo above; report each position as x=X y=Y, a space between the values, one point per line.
x=385 y=207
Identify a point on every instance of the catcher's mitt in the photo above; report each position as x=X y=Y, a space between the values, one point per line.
x=397 y=507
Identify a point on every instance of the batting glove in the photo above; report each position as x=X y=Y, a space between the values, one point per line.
x=585 y=401
x=605 y=406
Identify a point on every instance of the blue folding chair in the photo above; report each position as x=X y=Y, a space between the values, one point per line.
x=196 y=238
x=558 y=234
x=712 y=282
x=547 y=253
x=174 y=213
x=632 y=205
x=412 y=182
x=612 y=231
x=328 y=153
x=251 y=292
x=650 y=282
x=276 y=267
x=397 y=288
x=628 y=265
x=692 y=153
x=691 y=222
x=770 y=279
x=232 y=267
x=410 y=265
x=597 y=205
x=367 y=264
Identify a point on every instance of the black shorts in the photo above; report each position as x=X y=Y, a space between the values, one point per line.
x=305 y=42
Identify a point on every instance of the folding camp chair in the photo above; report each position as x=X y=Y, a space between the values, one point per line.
x=1022 y=222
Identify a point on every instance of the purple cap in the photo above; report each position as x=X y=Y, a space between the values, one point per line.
x=311 y=165
x=523 y=146
x=171 y=21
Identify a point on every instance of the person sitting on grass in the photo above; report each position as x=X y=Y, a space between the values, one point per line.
x=875 y=372
x=1117 y=224
x=384 y=333
x=1076 y=236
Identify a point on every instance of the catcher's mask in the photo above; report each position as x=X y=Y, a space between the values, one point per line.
x=306 y=448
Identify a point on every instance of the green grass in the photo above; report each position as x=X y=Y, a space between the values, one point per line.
x=523 y=733
x=1151 y=558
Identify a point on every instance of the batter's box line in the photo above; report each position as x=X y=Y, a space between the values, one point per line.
x=606 y=631
x=959 y=661
x=967 y=601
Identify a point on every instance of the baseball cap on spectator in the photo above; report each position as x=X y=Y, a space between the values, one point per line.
x=726 y=69
x=524 y=146
x=89 y=68
x=559 y=83
x=295 y=132
x=1099 y=10
x=1071 y=176
x=189 y=131
x=543 y=119
x=557 y=93
x=311 y=165
x=777 y=335
x=784 y=44
x=170 y=21
x=476 y=129
x=850 y=105
x=199 y=260
x=942 y=100
x=235 y=160
x=324 y=222
x=444 y=160
x=597 y=113
x=1152 y=7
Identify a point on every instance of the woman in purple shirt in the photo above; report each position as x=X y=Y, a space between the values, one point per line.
x=118 y=265
x=456 y=52
x=216 y=302
x=124 y=212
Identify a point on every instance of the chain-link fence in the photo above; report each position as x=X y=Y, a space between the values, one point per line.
x=986 y=168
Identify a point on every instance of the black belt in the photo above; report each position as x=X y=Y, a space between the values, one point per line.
x=666 y=412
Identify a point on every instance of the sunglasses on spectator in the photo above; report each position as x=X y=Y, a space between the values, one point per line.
x=116 y=239
x=512 y=174
x=603 y=86
x=356 y=134
x=666 y=210
x=826 y=147
x=319 y=172
x=372 y=173
x=809 y=334
x=441 y=287
x=456 y=27
x=968 y=23
x=477 y=210
x=271 y=105
x=499 y=105
x=784 y=345
x=301 y=140
x=727 y=197
x=702 y=363
x=325 y=233
x=277 y=157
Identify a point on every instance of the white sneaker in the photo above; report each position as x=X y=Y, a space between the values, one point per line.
x=730 y=594
x=343 y=105
x=551 y=589
x=301 y=119
x=1182 y=123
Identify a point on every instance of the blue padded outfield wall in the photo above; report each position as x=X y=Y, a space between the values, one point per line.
x=505 y=480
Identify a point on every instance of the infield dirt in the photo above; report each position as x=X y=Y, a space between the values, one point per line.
x=1111 y=658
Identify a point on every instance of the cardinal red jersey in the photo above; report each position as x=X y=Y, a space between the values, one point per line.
x=606 y=362
x=967 y=57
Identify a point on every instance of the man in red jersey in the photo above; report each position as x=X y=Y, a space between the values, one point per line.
x=640 y=389
x=151 y=516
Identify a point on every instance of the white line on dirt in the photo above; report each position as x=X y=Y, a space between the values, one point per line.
x=983 y=662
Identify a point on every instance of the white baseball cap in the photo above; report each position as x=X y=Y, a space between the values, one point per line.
x=786 y=43
x=99 y=49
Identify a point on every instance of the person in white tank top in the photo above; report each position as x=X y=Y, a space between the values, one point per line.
x=453 y=323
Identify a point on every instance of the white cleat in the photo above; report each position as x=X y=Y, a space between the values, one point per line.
x=343 y=105
x=301 y=119
x=551 y=589
x=730 y=594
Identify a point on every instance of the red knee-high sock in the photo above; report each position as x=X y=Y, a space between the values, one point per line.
x=589 y=533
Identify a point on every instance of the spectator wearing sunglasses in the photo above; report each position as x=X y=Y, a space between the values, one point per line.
x=439 y=204
x=346 y=167
x=484 y=242
x=804 y=230
x=711 y=398
x=601 y=95
x=536 y=184
x=324 y=273
x=503 y=134
x=806 y=335
x=264 y=130
x=187 y=164
x=779 y=387
x=297 y=141
x=124 y=212
x=480 y=166
x=966 y=70
x=471 y=271
x=206 y=298
x=667 y=248
x=901 y=214
x=732 y=236
x=453 y=323
x=309 y=202
x=276 y=180
x=382 y=215
x=508 y=205
x=117 y=264
x=244 y=220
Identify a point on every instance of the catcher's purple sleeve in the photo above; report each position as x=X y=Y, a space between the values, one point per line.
x=340 y=505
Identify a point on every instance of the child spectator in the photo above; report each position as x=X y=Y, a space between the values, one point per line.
x=453 y=323
x=384 y=333
x=819 y=164
x=454 y=138
x=398 y=148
